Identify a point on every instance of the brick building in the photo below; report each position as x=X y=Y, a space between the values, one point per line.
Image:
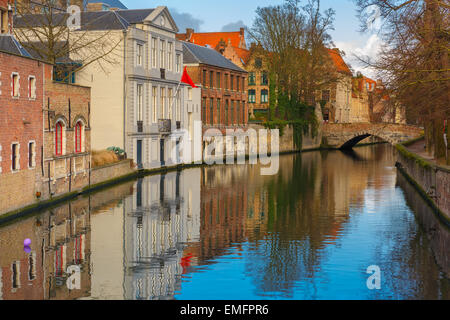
x=21 y=138
x=67 y=137
x=224 y=87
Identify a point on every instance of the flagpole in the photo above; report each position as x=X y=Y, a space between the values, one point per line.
x=174 y=97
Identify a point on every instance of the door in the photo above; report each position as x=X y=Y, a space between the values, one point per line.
x=139 y=154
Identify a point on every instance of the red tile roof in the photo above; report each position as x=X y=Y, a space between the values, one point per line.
x=244 y=54
x=338 y=61
x=212 y=38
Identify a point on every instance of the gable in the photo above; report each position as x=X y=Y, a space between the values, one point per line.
x=162 y=18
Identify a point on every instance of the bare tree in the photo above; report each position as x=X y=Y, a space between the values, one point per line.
x=49 y=36
x=295 y=38
x=414 y=61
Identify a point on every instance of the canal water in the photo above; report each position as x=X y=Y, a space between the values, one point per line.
x=226 y=232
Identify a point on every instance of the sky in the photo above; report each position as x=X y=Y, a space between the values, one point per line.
x=230 y=15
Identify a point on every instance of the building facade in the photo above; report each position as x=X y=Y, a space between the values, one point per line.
x=5 y=16
x=140 y=93
x=223 y=87
x=21 y=137
x=67 y=137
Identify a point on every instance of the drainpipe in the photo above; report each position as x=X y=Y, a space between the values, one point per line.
x=124 y=89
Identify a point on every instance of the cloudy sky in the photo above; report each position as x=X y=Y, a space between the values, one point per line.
x=230 y=15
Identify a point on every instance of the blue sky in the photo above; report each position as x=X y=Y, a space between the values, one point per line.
x=209 y=16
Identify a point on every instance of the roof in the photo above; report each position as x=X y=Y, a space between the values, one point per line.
x=110 y=3
x=9 y=44
x=212 y=38
x=244 y=54
x=338 y=61
x=91 y=20
x=193 y=53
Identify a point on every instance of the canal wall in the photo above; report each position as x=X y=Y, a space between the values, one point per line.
x=110 y=172
x=432 y=181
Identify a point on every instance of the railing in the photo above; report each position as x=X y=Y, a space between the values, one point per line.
x=164 y=125
x=140 y=126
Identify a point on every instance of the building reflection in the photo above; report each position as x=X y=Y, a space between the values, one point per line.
x=161 y=218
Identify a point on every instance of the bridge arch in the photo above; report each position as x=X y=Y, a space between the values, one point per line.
x=353 y=141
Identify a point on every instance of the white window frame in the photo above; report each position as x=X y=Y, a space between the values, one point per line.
x=139 y=102
x=14 y=87
x=162 y=98
x=178 y=63
x=32 y=87
x=170 y=56
x=162 y=49
x=154 y=45
x=139 y=54
x=155 y=104
x=170 y=102
x=17 y=157
x=33 y=154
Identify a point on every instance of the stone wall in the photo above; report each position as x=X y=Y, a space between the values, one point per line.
x=111 y=171
x=434 y=180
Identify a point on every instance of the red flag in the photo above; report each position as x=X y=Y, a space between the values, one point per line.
x=186 y=79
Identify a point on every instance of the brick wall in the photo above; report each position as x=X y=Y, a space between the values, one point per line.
x=219 y=91
x=21 y=124
x=69 y=105
x=108 y=172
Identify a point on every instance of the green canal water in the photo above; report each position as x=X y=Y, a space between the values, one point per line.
x=226 y=232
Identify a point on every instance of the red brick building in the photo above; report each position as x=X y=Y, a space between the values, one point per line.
x=21 y=137
x=224 y=87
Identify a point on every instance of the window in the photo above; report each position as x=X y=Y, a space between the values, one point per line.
x=170 y=56
x=227 y=110
x=211 y=111
x=178 y=111
x=226 y=81
x=243 y=112
x=232 y=112
x=79 y=132
x=251 y=79
x=264 y=78
x=15 y=274
x=231 y=82
x=204 y=78
x=170 y=95
x=238 y=114
x=237 y=84
x=15 y=85
x=204 y=110
x=326 y=95
x=258 y=63
x=178 y=63
x=3 y=21
x=154 y=102
x=154 y=51
x=264 y=96
x=59 y=138
x=218 y=80
x=32 y=266
x=218 y=111
x=252 y=96
x=162 y=45
x=32 y=87
x=211 y=79
x=31 y=154
x=190 y=94
x=15 y=165
x=140 y=101
x=139 y=53
x=162 y=103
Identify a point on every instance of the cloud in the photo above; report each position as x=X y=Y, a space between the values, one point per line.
x=233 y=26
x=186 y=20
x=369 y=49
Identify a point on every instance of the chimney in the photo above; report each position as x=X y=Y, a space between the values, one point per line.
x=241 y=31
x=189 y=33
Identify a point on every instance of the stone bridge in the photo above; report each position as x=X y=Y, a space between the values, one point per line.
x=347 y=135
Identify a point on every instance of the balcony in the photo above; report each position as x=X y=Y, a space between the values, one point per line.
x=140 y=126
x=164 y=126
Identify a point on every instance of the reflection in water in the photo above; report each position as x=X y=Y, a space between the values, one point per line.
x=226 y=232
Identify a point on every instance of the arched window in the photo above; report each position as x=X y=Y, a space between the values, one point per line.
x=79 y=137
x=59 y=138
